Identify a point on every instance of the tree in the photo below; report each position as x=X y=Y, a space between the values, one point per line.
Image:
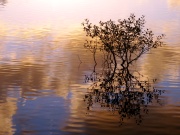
x=117 y=87
x=122 y=43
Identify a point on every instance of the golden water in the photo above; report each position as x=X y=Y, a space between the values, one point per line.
x=42 y=77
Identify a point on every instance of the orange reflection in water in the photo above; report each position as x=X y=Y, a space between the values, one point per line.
x=7 y=110
x=36 y=59
x=45 y=39
x=173 y=3
x=161 y=62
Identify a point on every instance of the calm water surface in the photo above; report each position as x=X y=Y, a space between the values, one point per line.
x=42 y=77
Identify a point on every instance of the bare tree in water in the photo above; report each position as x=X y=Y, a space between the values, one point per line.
x=122 y=43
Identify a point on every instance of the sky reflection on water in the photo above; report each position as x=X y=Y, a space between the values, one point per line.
x=42 y=79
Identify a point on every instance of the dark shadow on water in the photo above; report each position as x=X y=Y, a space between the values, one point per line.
x=128 y=103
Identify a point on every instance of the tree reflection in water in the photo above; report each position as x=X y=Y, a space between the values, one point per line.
x=133 y=103
x=119 y=87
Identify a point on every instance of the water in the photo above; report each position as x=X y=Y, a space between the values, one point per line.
x=42 y=77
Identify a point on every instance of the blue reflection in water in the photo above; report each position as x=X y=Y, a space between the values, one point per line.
x=44 y=115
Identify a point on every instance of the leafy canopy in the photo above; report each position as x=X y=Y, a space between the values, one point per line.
x=124 y=38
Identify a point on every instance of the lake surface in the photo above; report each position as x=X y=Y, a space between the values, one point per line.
x=43 y=63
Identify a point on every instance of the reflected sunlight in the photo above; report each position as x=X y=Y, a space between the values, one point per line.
x=7 y=110
x=57 y=2
x=173 y=3
x=42 y=54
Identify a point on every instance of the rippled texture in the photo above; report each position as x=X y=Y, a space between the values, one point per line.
x=43 y=63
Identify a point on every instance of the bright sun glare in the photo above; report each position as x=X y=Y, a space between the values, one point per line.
x=60 y=2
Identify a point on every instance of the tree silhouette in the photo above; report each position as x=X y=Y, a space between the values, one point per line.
x=117 y=86
x=122 y=44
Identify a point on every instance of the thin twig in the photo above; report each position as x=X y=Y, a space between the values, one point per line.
x=79 y=59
